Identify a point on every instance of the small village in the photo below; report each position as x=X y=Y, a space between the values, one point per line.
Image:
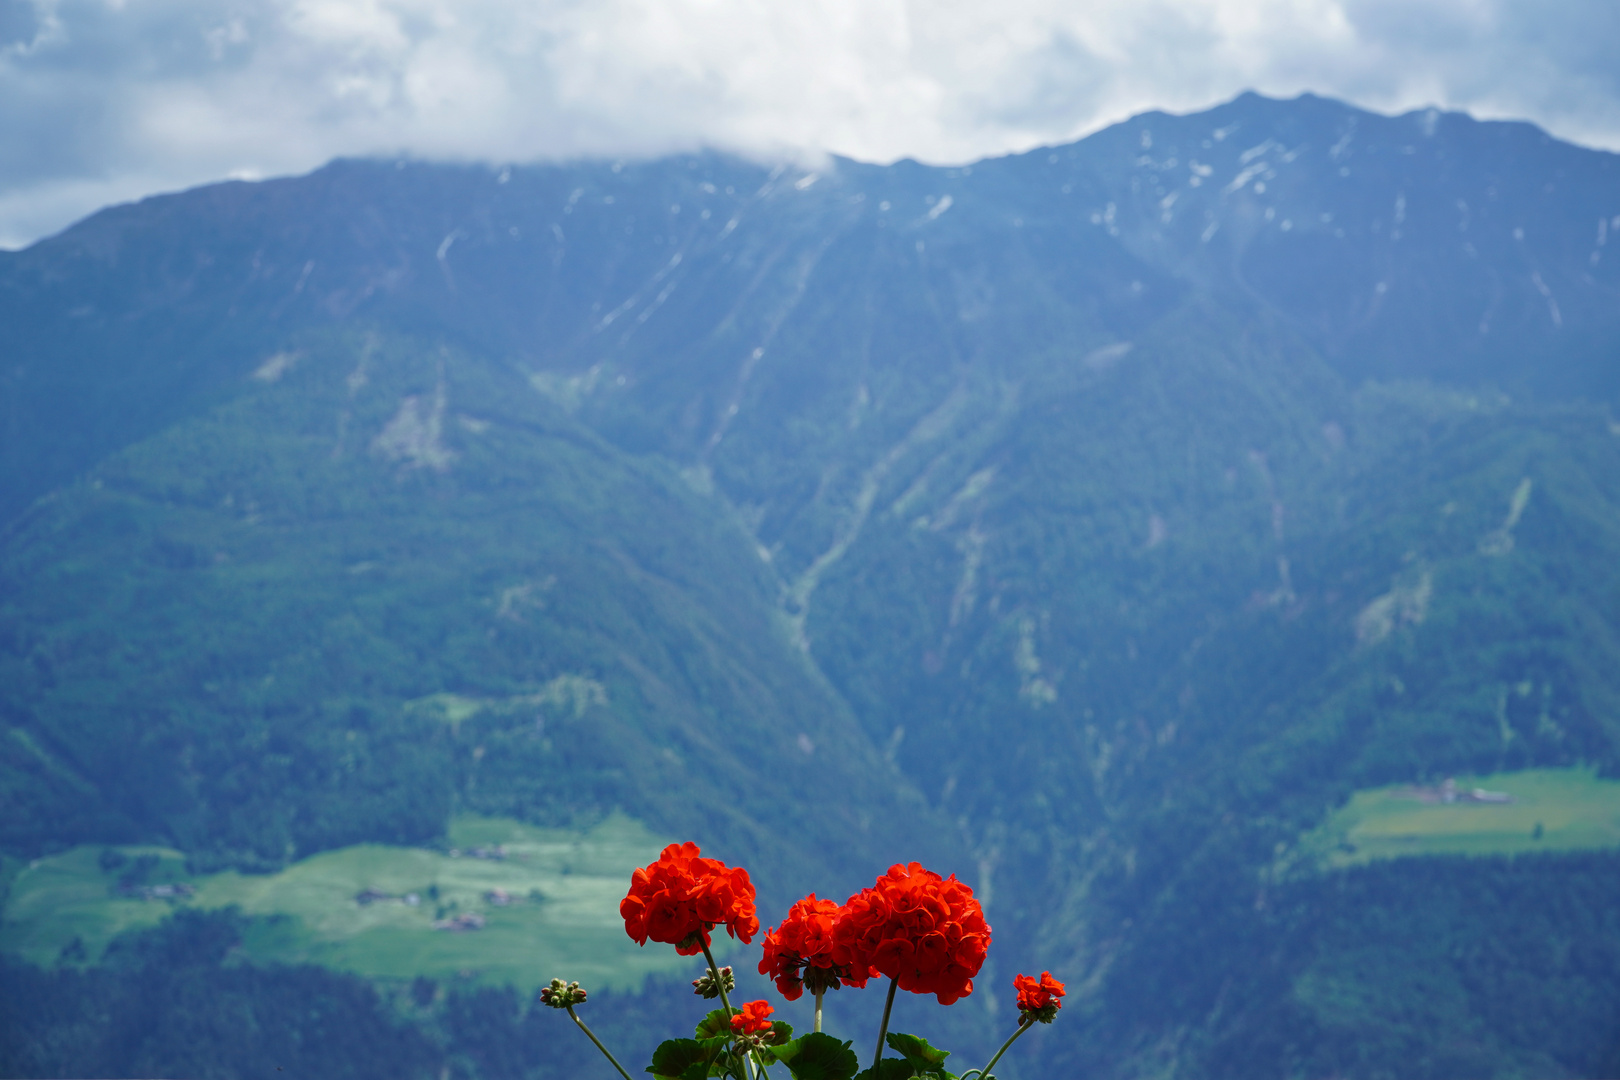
x=1447 y=793
x=174 y=890
x=460 y=922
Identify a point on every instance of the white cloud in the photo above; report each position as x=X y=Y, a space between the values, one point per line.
x=102 y=100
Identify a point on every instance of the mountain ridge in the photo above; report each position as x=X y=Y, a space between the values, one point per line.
x=400 y=252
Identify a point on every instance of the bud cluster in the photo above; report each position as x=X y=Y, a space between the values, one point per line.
x=758 y=1040
x=1045 y=1014
x=818 y=980
x=751 y=1026
x=708 y=987
x=560 y=995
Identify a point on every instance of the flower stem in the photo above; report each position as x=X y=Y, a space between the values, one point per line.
x=883 y=1029
x=592 y=1036
x=818 y=1010
x=718 y=981
x=720 y=984
x=1024 y=1024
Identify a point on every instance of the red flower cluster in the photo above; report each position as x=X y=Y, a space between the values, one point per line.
x=926 y=932
x=681 y=897
x=753 y=1019
x=1041 y=999
x=799 y=953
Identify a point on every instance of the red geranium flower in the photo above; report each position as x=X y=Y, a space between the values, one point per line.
x=926 y=932
x=681 y=897
x=799 y=953
x=753 y=1018
x=1040 y=999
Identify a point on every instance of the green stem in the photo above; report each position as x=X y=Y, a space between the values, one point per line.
x=818 y=1010
x=715 y=971
x=592 y=1036
x=1024 y=1024
x=883 y=1029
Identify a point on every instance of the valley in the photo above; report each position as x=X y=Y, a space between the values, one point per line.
x=512 y=905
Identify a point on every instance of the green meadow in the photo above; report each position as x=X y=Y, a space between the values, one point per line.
x=548 y=901
x=1551 y=810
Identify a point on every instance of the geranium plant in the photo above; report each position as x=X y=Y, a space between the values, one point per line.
x=923 y=933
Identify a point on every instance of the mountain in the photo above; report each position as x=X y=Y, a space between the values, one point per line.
x=1092 y=523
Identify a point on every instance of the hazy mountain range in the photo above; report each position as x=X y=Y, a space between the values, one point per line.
x=1091 y=523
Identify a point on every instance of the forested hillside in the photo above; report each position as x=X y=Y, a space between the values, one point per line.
x=1092 y=523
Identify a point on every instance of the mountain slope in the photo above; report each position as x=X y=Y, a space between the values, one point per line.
x=387 y=581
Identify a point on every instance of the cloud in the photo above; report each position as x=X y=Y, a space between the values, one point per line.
x=102 y=100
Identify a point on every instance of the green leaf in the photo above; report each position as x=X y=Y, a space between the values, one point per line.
x=889 y=1069
x=680 y=1059
x=923 y=1057
x=818 y=1057
x=781 y=1032
x=717 y=1022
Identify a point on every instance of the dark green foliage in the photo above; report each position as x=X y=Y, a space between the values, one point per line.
x=818 y=1056
x=924 y=1059
x=175 y=1001
x=887 y=1069
x=491 y=1034
x=681 y=1059
x=715 y=1022
x=171 y=1003
x=1422 y=968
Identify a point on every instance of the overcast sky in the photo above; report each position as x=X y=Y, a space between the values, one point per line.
x=103 y=101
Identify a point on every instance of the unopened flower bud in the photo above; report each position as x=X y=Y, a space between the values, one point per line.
x=707 y=986
x=560 y=995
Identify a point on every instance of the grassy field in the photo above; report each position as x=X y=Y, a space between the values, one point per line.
x=560 y=915
x=1552 y=810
